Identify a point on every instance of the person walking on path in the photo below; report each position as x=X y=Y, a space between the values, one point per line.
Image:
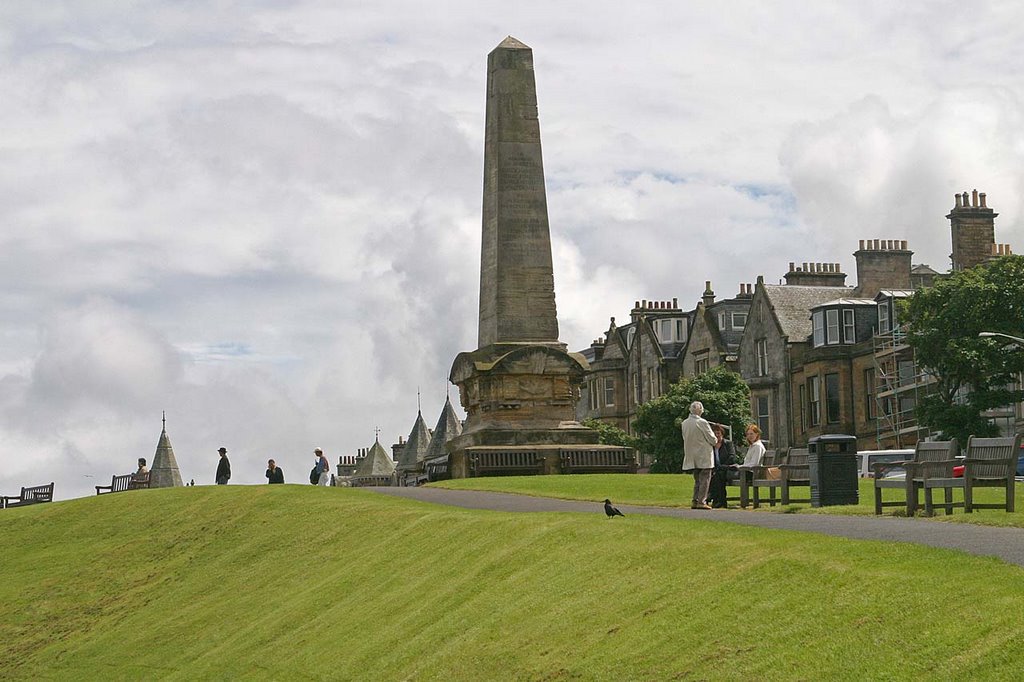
x=698 y=453
x=223 y=467
x=725 y=454
x=323 y=468
x=275 y=474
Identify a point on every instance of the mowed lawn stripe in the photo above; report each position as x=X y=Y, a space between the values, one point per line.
x=299 y=582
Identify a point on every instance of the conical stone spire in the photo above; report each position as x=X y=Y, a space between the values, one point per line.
x=164 y=472
x=416 y=446
x=376 y=463
x=517 y=288
x=448 y=427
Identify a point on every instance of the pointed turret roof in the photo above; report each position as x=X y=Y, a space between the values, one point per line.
x=448 y=426
x=376 y=463
x=416 y=446
x=164 y=472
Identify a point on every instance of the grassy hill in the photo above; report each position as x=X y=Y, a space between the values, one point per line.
x=299 y=582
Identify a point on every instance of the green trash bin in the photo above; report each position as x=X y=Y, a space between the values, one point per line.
x=832 y=461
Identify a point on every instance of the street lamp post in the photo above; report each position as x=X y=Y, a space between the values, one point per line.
x=1015 y=339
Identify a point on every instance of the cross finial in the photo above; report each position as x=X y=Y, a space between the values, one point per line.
x=163 y=419
x=376 y=433
x=418 y=408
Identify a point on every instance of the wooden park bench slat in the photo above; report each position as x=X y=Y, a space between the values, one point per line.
x=506 y=463
x=588 y=461
x=796 y=472
x=32 y=495
x=934 y=458
x=760 y=477
x=119 y=484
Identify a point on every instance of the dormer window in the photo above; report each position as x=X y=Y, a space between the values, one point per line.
x=833 y=326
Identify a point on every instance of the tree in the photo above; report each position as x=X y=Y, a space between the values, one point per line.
x=972 y=374
x=657 y=426
x=609 y=434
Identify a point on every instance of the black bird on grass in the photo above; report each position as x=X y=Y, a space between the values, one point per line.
x=610 y=510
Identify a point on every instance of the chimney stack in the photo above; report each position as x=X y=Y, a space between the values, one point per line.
x=816 y=275
x=972 y=230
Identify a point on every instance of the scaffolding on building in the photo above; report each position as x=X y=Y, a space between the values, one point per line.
x=899 y=385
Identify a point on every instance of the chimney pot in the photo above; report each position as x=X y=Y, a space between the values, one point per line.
x=791 y=264
x=643 y=303
x=805 y=268
x=958 y=204
x=982 y=198
x=861 y=245
x=675 y=302
x=876 y=245
x=974 y=198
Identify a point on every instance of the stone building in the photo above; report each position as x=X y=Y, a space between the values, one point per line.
x=635 y=362
x=779 y=324
x=375 y=468
x=717 y=331
x=435 y=461
x=164 y=470
x=410 y=468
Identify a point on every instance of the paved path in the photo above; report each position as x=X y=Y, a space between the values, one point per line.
x=1005 y=543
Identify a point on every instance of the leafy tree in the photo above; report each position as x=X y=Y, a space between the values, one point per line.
x=657 y=426
x=972 y=374
x=609 y=434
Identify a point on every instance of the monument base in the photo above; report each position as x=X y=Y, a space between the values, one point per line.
x=525 y=452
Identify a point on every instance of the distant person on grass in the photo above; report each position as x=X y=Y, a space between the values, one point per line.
x=323 y=468
x=223 y=467
x=725 y=454
x=275 y=474
x=698 y=453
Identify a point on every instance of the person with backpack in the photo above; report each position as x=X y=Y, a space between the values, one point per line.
x=322 y=470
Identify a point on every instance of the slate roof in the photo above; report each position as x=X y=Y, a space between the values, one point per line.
x=164 y=472
x=376 y=463
x=792 y=305
x=416 y=446
x=448 y=426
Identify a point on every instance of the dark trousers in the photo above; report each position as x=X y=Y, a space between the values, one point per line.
x=716 y=490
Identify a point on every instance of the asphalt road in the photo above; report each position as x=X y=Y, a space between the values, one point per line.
x=1004 y=543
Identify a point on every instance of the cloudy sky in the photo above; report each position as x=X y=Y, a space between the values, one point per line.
x=264 y=217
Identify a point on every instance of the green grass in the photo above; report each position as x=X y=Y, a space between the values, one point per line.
x=299 y=582
x=675 y=490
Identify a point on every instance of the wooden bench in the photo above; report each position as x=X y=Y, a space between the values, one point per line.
x=618 y=461
x=990 y=463
x=796 y=472
x=505 y=463
x=437 y=469
x=933 y=459
x=119 y=484
x=33 y=495
x=760 y=477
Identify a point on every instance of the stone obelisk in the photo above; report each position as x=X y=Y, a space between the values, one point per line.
x=520 y=386
x=517 y=287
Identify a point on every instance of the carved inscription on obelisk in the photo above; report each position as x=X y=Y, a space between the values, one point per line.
x=517 y=289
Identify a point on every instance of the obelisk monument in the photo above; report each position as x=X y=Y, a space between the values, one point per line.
x=517 y=287
x=520 y=387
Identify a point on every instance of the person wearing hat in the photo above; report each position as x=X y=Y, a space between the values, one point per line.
x=223 y=468
x=323 y=467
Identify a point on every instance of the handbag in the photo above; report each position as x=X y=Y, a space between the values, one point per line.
x=314 y=476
